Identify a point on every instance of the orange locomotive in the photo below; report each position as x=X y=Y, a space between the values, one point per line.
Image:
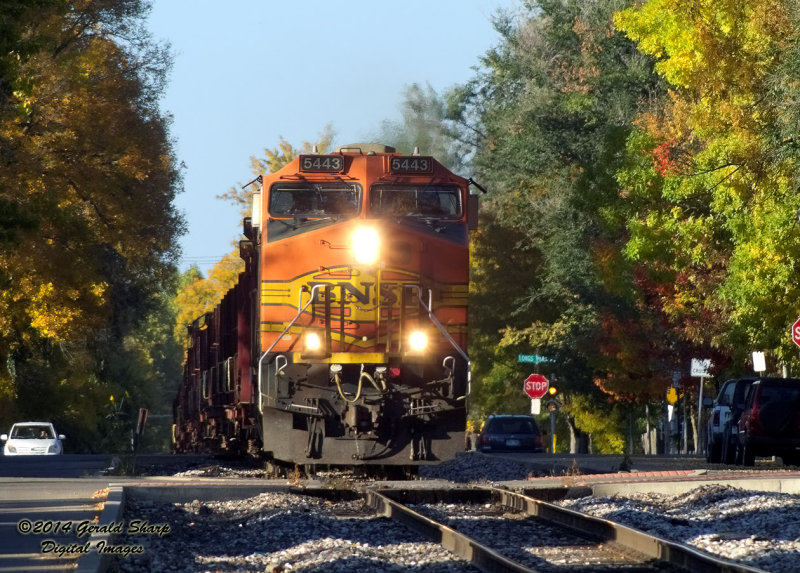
x=358 y=264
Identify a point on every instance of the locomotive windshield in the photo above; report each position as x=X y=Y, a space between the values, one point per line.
x=436 y=201
x=314 y=200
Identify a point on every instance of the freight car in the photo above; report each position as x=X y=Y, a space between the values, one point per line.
x=344 y=341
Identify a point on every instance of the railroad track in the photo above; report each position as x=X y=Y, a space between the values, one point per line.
x=445 y=529
x=499 y=530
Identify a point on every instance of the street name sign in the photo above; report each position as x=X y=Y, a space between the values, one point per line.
x=532 y=358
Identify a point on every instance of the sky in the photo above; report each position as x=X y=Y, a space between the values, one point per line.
x=247 y=73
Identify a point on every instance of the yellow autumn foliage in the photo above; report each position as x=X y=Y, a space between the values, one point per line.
x=201 y=295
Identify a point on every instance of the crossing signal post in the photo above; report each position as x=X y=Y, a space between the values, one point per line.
x=552 y=407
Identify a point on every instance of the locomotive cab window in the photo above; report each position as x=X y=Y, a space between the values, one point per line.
x=436 y=201
x=314 y=200
x=299 y=207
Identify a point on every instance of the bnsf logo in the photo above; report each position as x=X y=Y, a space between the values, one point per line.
x=354 y=293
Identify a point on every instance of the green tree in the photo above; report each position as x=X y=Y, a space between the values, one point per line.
x=423 y=126
x=711 y=176
x=547 y=117
x=87 y=180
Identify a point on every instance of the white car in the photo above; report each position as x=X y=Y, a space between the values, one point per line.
x=32 y=439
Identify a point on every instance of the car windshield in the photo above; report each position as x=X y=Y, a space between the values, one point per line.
x=514 y=426
x=437 y=201
x=314 y=200
x=32 y=433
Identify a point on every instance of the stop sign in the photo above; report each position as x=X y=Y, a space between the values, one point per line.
x=796 y=332
x=536 y=386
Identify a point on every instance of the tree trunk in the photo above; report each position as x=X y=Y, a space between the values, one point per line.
x=578 y=441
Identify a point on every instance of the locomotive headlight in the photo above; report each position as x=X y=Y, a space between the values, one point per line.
x=418 y=341
x=313 y=342
x=365 y=245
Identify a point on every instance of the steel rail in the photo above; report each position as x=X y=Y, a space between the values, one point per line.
x=465 y=547
x=677 y=554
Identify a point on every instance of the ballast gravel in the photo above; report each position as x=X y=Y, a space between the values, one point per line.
x=280 y=532
x=758 y=529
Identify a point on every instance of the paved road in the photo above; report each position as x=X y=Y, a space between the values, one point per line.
x=49 y=504
x=65 y=466
x=50 y=492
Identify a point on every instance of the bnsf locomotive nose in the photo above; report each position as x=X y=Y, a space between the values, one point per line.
x=343 y=340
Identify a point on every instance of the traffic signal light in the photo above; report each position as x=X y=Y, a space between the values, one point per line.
x=552 y=390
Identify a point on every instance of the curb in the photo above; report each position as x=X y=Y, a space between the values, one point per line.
x=113 y=510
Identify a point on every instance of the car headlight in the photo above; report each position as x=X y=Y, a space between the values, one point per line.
x=365 y=243
x=418 y=341
x=11 y=448
x=53 y=449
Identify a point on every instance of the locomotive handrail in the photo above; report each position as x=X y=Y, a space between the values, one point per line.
x=446 y=334
x=278 y=367
x=285 y=330
x=435 y=321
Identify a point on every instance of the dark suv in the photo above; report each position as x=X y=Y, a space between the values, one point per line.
x=723 y=421
x=770 y=422
x=510 y=432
